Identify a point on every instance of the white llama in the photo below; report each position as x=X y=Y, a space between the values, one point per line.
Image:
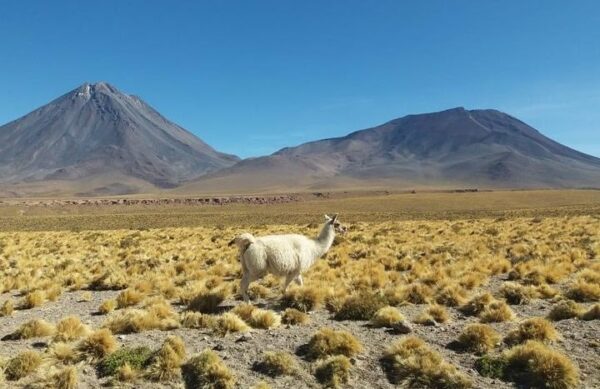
x=286 y=255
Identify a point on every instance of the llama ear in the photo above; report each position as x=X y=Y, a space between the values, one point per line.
x=327 y=218
x=334 y=218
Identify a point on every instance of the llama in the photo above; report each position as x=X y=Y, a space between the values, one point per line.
x=283 y=255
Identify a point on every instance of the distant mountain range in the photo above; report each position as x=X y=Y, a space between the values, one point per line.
x=100 y=141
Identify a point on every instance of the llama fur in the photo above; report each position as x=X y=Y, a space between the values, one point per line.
x=287 y=255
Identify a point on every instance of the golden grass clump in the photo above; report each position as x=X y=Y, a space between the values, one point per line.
x=535 y=328
x=128 y=298
x=565 y=309
x=244 y=311
x=387 y=317
x=7 y=308
x=35 y=328
x=32 y=299
x=197 y=320
x=293 y=316
x=22 y=365
x=63 y=352
x=334 y=371
x=70 y=328
x=303 y=298
x=126 y=373
x=111 y=279
x=361 y=306
x=107 y=306
x=592 y=314
x=534 y=364
x=277 y=363
x=207 y=370
x=497 y=312
x=86 y=296
x=433 y=315
x=98 y=344
x=451 y=295
x=64 y=378
x=53 y=293
x=207 y=302
x=229 y=323
x=166 y=363
x=327 y=341
x=518 y=294
x=584 y=291
x=478 y=338
x=410 y=359
x=477 y=304
x=264 y=319
x=133 y=320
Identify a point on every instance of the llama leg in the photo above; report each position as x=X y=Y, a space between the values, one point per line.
x=289 y=278
x=244 y=287
x=299 y=280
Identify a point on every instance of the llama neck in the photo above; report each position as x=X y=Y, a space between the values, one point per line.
x=325 y=239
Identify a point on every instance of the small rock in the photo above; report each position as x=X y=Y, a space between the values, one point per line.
x=219 y=347
x=121 y=337
x=243 y=338
x=402 y=328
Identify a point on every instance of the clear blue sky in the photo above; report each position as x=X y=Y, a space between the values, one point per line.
x=250 y=77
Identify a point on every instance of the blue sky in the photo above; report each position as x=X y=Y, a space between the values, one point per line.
x=250 y=77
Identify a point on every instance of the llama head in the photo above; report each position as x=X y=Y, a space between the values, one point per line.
x=242 y=241
x=335 y=223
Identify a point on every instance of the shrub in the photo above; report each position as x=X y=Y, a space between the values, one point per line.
x=128 y=298
x=32 y=300
x=70 y=328
x=411 y=359
x=63 y=352
x=294 y=317
x=478 y=338
x=264 y=319
x=7 y=308
x=207 y=371
x=32 y=329
x=477 y=304
x=334 y=371
x=207 y=302
x=276 y=363
x=98 y=344
x=159 y=316
x=304 y=298
x=584 y=291
x=166 y=362
x=136 y=358
x=592 y=314
x=492 y=367
x=197 y=320
x=518 y=294
x=107 y=306
x=566 y=309
x=387 y=317
x=361 y=306
x=535 y=328
x=327 y=341
x=229 y=322
x=497 y=312
x=533 y=364
x=244 y=311
x=65 y=378
x=22 y=365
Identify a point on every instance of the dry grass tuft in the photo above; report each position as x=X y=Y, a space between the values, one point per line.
x=70 y=328
x=565 y=309
x=264 y=319
x=478 y=338
x=22 y=365
x=32 y=300
x=497 y=312
x=7 y=308
x=518 y=294
x=592 y=314
x=63 y=353
x=128 y=321
x=584 y=291
x=165 y=365
x=334 y=371
x=387 y=317
x=129 y=298
x=327 y=341
x=197 y=320
x=206 y=370
x=244 y=311
x=477 y=304
x=410 y=359
x=304 y=298
x=207 y=302
x=293 y=316
x=228 y=323
x=107 y=306
x=277 y=363
x=98 y=344
x=361 y=306
x=65 y=378
x=535 y=328
x=32 y=329
x=534 y=364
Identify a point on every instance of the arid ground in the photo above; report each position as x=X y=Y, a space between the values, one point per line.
x=450 y=290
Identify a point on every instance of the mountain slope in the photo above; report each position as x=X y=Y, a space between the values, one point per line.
x=484 y=148
x=95 y=130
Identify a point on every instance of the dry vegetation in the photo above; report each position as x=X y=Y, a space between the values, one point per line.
x=516 y=298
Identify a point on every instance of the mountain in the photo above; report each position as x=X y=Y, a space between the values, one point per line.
x=96 y=134
x=452 y=148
